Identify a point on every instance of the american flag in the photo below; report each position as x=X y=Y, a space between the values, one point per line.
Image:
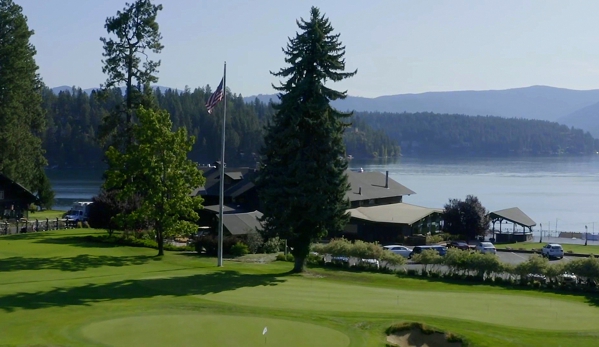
x=216 y=97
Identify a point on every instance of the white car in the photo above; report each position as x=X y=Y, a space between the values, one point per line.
x=399 y=249
x=553 y=250
x=486 y=247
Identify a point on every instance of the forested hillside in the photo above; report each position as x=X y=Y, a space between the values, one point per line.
x=73 y=117
x=452 y=134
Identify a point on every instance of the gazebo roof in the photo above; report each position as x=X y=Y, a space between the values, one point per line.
x=514 y=215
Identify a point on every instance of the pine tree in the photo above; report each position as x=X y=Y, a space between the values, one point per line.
x=127 y=65
x=22 y=120
x=302 y=181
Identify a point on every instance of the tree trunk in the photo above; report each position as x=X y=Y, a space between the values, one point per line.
x=299 y=264
x=160 y=239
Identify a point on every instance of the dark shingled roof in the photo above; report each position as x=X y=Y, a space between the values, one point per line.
x=242 y=223
x=242 y=177
x=373 y=186
x=514 y=215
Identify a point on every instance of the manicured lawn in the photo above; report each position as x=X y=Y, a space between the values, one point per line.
x=592 y=247
x=42 y=215
x=56 y=289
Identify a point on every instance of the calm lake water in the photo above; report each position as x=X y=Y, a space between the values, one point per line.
x=555 y=190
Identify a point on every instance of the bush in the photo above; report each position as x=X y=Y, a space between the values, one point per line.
x=282 y=257
x=254 y=241
x=272 y=245
x=239 y=249
x=209 y=244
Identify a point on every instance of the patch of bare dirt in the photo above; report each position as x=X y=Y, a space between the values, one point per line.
x=415 y=338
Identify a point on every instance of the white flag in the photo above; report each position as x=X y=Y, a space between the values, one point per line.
x=264 y=331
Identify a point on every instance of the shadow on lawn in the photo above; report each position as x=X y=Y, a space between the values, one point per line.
x=81 y=262
x=200 y=284
x=78 y=241
x=54 y=234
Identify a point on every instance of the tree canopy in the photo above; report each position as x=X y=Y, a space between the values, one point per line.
x=22 y=121
x=156 y=168
x=127 y=63
x=302 y=181
x=466 y=218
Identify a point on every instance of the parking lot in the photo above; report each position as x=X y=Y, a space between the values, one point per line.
x=517 y=258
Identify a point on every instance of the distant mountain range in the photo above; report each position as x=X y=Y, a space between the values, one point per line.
x=578 y=108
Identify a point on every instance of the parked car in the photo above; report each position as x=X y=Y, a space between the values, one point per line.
x=370 y=263
x=568 y=278
x=553 y=250
x=399 y=249
x=442 y=250
x=486 y=247
x=459 y=245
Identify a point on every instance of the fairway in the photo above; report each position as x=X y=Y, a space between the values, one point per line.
x=57 y=289
x=211 y=330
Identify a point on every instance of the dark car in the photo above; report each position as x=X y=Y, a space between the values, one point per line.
x=459 y=245
x=442 y=250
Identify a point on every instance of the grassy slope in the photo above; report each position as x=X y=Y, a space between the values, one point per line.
x=50 y=214
x=592 y=248
x=56 y=290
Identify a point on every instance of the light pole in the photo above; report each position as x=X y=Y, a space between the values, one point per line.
x=586 y=235
x=541 y=240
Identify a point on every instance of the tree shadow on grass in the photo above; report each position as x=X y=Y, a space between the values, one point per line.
x=89 y=294
x=79 y=241
x=54 y=234
x=80 y=262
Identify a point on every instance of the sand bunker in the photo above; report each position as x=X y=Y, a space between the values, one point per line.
x=415 y=338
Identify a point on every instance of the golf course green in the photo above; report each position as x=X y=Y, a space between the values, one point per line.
x=56 y=289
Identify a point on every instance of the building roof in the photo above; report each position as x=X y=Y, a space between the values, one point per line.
x=514 y=215
x=227 y=208
x=242 y=223
x=399 y=213
x=242 y=181
x=372 y=186
x=24 y=193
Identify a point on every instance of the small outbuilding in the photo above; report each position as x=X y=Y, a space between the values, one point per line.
x=513 y=216
x=14 y=199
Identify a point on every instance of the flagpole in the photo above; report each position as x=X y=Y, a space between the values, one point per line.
x=221 y=194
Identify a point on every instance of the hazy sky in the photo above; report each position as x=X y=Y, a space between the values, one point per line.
x=397 y=46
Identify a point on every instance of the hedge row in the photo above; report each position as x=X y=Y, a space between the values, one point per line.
x=536 y=270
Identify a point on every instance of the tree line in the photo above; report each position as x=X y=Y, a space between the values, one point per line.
x=428 y=133
x=74 y=119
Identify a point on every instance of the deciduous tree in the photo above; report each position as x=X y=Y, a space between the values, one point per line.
x=302 y=181
x=156 y=168
x=467 y=218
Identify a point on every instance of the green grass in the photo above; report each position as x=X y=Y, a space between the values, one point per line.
x=590 y=249
x=57 y=289
x=50 y=214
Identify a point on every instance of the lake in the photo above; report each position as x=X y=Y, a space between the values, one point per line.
x=553 y=190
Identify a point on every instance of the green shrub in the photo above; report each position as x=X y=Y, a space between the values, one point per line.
x=272 y=245
x=290 y=257
x=281 y=257
x=254 y=241
x=239 y=249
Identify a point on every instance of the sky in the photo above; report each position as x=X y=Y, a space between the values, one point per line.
x=397 y=46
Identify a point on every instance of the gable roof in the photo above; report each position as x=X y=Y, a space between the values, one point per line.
x=514 y=215
x=23 y=192
x=241 y=223
x=399 y=213
x=372 y=186
x=243 y=181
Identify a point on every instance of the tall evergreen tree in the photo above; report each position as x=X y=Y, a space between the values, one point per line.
x=127 y=64
x=22 y=120
x=302 y=181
